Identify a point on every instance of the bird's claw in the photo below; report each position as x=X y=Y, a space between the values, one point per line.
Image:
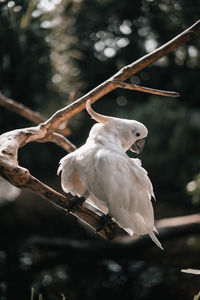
x=105 y=220
x=75 y=202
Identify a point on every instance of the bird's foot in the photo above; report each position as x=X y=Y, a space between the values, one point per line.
x=105 y=220
x=75 y=202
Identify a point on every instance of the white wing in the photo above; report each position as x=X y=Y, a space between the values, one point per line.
x=117 y=184
x=77 y=168
x=122 y=185
x=70 y=180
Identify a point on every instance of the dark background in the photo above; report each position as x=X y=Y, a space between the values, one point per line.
x=48 y=52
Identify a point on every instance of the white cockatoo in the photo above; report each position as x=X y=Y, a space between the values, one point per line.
x=102 y=172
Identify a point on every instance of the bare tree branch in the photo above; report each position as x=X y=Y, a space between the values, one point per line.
x=135 y=87
x=169 y=228
x=125 y=73
x=9 y=144
x=11 y=141
x=21 y=110
x=27 y=113
x=60 y=140
x=37 y=118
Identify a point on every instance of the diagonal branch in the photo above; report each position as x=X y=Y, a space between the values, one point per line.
x=21 y=109
x=59 y=140
x=169 y=228
x=37 y=118
x=26 y=112
x=10 y=142
x=135 y=87
x=125 y=73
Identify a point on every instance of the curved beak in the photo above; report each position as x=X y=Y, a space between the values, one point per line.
x=138 y=146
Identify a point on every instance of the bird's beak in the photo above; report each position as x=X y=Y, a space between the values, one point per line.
x=138 y=146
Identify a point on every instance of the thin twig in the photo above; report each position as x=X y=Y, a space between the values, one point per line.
x=21 y=110
x=129 y=86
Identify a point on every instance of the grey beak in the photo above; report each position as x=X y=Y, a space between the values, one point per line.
x=138 y=146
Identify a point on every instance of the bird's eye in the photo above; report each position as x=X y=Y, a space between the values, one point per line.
x=137 y=134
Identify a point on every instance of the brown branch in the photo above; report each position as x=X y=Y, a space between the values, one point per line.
x=26 y=112
x=125 y=73
x=135 y=87
x=59 y=140
x=37 y=118
x=10 y=142
x=21 y=110
x=169 y=228
x=23 y=179
x=117 y=249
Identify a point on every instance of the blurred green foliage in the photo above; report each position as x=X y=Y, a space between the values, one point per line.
x=48 y=53
x=26 y=69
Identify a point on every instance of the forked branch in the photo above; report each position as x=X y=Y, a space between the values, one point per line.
x=10 y=142
x=135 y=87
x=125 y=73
x=27 y=113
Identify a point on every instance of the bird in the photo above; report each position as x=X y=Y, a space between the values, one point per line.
x=110 y=180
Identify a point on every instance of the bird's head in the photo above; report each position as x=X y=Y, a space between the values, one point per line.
x=131 y=133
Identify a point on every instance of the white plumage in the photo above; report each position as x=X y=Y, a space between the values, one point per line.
x=116 y=183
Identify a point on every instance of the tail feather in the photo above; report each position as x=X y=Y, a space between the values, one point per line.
x=143 y=228
x=155 y=230
x=154 y=239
